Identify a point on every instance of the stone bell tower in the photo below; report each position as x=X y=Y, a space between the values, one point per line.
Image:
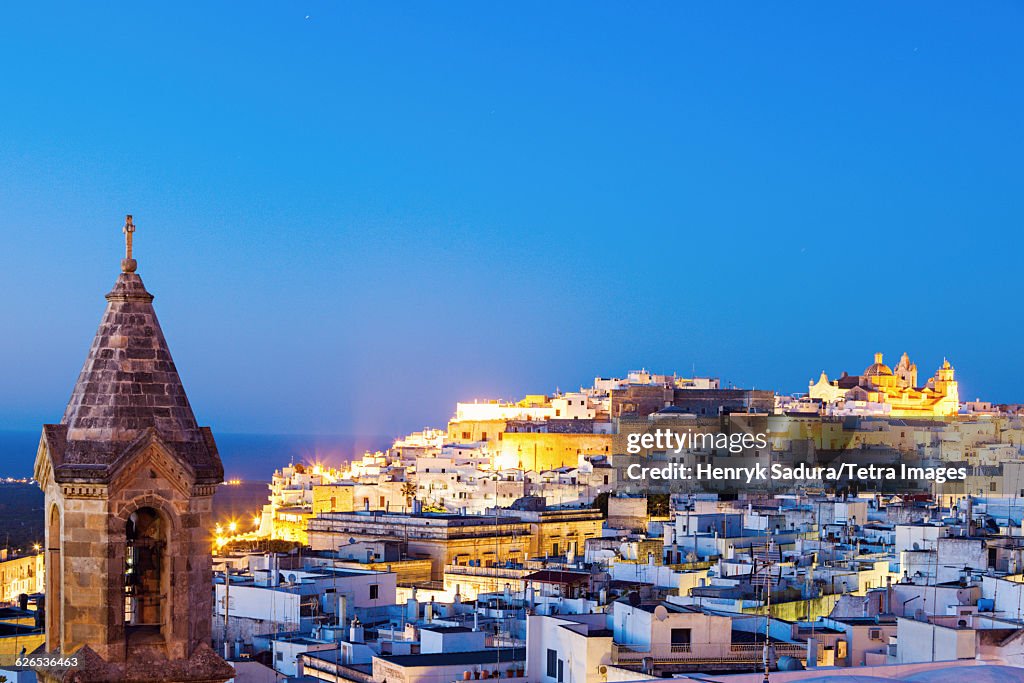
x=129 y=477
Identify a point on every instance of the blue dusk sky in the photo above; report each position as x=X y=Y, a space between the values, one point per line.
x=355 y=214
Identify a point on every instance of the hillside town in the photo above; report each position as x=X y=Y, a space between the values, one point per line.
x=504 y=546
x=518 y=542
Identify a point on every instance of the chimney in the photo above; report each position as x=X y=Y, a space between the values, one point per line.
x=274 y=566
x=812 y=653
x=342 y=611
x=356 y=631
x=412 y=609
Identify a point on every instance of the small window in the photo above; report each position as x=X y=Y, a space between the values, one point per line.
x=561 y=671
x=374 y=591
x=680 y=637
x=552 y=669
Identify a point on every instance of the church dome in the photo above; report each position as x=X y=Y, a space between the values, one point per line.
x=878 y=368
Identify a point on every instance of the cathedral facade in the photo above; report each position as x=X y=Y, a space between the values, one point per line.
x=129 y=476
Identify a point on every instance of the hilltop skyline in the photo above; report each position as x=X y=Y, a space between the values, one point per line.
x=354 y=220
x=429 y=407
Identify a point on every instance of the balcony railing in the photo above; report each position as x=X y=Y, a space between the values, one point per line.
x=705 y=652
x=498 y=572
x=338 y=671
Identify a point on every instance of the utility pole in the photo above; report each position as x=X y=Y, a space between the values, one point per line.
x=227 y=603
x=768 y=612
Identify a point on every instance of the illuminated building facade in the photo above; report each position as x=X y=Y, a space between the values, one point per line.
x=20 y=575
x=881 y=390
x=290 y=503
x=463 y=539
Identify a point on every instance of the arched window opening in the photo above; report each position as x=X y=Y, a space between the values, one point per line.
x=143 y=572
x=54 y=573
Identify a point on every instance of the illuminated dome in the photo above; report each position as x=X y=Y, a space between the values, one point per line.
x=878 y=368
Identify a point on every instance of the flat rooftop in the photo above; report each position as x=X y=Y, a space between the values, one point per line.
x=447 y=629
x=487 y=656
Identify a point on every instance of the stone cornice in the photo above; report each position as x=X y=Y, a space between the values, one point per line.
x=84 y=490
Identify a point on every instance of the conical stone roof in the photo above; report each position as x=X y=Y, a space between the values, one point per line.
x=129 y=382
x=128 y=391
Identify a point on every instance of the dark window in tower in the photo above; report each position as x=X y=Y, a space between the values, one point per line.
x=144 y=572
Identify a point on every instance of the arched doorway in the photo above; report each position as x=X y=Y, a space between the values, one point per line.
x=144 y=573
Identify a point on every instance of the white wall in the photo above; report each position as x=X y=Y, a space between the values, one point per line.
x=924 y=537
x=285 y=654
x=432 y=642
x=258 y=602
x=581 y=656
x=919 y=641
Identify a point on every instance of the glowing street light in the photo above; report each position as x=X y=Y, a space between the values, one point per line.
x=233 y=527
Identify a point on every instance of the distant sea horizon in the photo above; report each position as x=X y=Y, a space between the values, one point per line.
x=249 y=457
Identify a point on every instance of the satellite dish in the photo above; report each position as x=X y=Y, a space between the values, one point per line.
x=351 y=540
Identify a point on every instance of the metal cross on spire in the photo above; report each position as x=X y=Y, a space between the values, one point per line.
x=129 y=264
x=129 y=228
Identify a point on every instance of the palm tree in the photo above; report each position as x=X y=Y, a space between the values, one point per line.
x=409 y=491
